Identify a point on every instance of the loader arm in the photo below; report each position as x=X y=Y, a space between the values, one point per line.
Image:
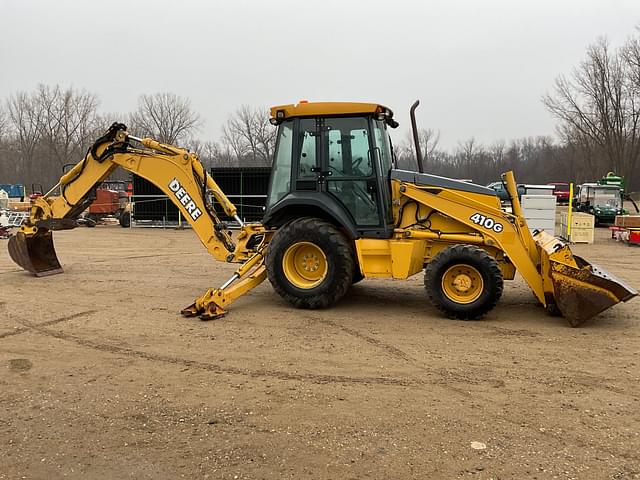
x=175 y=171
x=560 y=280
x=513 y=237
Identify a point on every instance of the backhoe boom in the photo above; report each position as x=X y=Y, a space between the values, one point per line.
x=175 y=171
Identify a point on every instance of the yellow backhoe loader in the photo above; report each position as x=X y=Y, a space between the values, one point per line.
x=337 y=212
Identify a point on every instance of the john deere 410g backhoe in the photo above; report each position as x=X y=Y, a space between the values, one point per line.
x=337 y=212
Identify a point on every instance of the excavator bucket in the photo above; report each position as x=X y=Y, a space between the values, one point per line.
x=580 y=290
x=35 y=253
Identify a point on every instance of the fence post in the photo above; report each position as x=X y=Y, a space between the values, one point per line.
x=570 y=213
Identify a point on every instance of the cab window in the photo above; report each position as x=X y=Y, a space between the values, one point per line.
x=281 y=174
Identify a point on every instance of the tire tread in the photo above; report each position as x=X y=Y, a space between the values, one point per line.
x=484 y=261
x=299 y=230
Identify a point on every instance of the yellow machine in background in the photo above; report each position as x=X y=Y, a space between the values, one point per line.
x=337 y=212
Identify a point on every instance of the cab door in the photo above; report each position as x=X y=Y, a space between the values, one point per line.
x=348 y=167
x=308 y=168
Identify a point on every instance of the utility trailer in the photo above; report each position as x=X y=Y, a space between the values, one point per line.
x=626 y=229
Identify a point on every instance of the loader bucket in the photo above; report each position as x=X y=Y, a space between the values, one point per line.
x=35 y=253
x=582 y=290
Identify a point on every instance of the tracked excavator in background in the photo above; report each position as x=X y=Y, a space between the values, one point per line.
x=338 y=212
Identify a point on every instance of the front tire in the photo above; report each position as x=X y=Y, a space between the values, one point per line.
x=463 y=282
x=310 y=263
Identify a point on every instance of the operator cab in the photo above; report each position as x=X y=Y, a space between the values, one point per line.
x=333 y=160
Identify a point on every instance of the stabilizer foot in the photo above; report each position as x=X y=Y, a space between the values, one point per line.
x=190 y=311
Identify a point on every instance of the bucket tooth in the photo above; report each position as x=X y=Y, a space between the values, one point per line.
x=35 y=253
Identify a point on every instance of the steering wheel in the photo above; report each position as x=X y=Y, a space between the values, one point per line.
x=358 y=189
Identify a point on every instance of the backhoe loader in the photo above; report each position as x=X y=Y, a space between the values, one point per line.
x=338 y=212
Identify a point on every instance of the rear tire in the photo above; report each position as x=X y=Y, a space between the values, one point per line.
x=463 y=282
x=357 y=276
x=310 y=263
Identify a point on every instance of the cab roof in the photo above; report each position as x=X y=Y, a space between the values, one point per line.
x=309 y=109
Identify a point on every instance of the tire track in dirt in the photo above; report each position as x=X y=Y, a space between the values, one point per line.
x=215 y=368
x=310 y=377
x=133 y=257
x=443 y=375
x=314 y=378
x=17 y=270
x=447 y=376
x=26 y=328
x=393 y=351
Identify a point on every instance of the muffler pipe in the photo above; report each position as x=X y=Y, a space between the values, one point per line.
x=416 y=140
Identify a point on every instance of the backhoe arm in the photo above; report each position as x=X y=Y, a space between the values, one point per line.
x=175 y=171
x=181 y=176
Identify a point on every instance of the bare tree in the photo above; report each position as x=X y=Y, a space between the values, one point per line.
x=166 y=117
x=428 y=139
x=7 y=168
x=497 y=153
x=250 y=136
x=631 y=55
x=68 y=122
x=212 y=154
x=599 y=109
x=466 y=155
x=4 y=123
x=24 y=121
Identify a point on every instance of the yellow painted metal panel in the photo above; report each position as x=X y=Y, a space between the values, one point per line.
x=326 y=108
x=395 y=258
x=407 y=257
x=374 y=257
x=512 y=237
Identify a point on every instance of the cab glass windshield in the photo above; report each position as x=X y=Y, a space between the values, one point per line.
x=608 y=198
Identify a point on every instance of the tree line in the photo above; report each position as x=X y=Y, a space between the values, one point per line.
x=597 y=107
x=43 y=130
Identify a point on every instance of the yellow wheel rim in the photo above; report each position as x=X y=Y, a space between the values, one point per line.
x=305 y=265
x=462 y=284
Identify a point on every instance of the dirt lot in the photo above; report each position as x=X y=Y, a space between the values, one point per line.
x=101 y=378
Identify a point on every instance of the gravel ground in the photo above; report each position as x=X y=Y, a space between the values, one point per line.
x=101 y=378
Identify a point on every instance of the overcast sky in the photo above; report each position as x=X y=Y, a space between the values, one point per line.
x=478 y=67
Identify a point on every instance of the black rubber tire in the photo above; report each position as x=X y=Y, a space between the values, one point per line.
x=125 y=219
x=479 y=259
x=340 y=263
x=357 y=276
x=553 y=310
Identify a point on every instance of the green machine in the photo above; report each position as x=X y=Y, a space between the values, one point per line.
x=612 y=179
x=603 y=201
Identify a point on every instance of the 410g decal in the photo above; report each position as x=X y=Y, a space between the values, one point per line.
x=486 y=222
